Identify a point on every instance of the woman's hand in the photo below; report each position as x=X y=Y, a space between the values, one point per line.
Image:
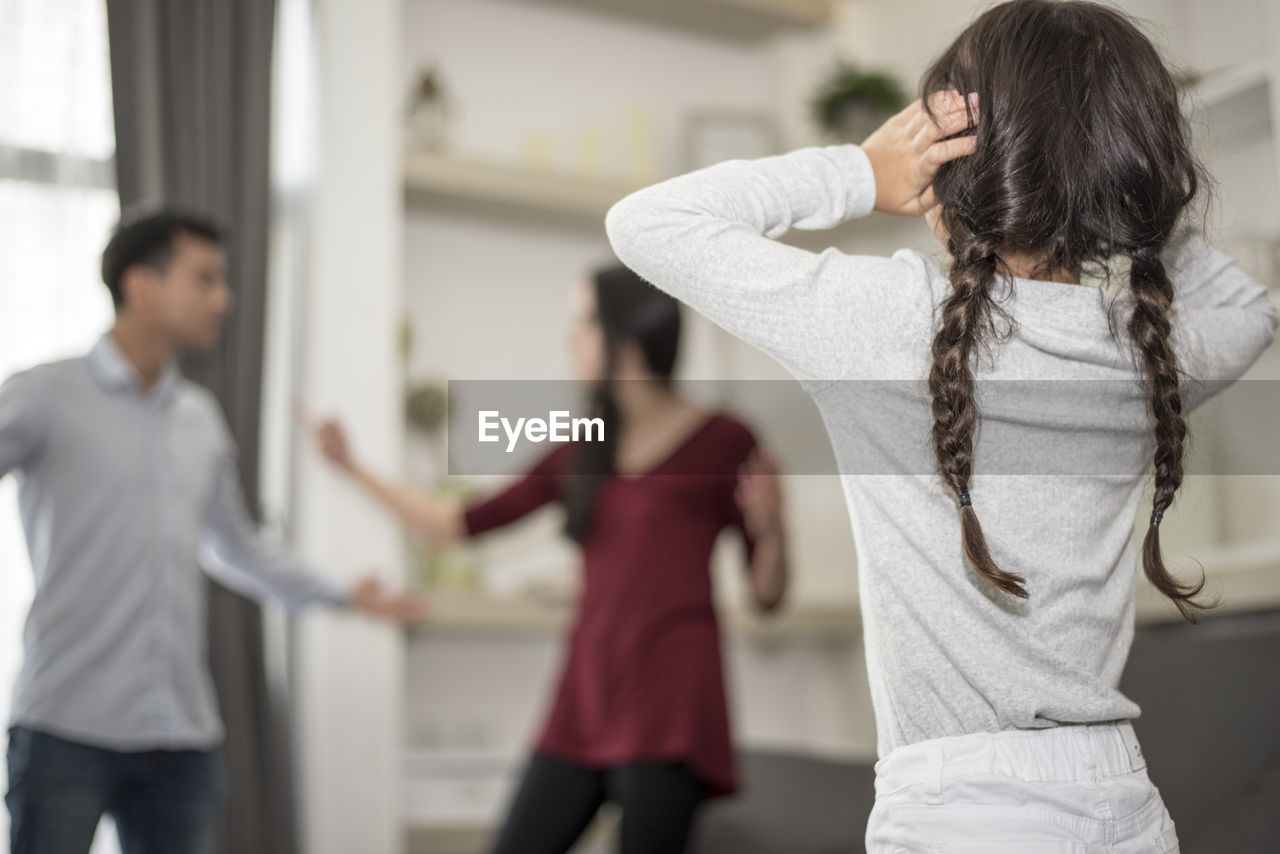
x=330 y=438
x=440 y=519
x=906 y=151
x=759 y=496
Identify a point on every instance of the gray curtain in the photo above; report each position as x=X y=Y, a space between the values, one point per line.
x=191 y=84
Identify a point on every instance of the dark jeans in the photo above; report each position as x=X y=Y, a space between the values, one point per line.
x=162 y=801
x=556 y=801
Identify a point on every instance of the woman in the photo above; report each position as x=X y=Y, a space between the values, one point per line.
x=994 y=648
x=639 y=716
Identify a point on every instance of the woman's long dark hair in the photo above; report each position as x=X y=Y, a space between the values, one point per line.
x=1082 y=154
x=628 y=309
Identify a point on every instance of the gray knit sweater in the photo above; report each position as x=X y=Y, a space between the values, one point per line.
x=945 y=655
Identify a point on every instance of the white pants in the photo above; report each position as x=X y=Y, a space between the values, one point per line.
x=1080 y=789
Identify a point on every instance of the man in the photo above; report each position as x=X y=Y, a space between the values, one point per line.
x=127 y=474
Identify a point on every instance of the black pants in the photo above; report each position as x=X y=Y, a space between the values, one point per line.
x=162 y=801
x=556 y=801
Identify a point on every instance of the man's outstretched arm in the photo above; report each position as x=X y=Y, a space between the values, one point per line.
x=238 y=555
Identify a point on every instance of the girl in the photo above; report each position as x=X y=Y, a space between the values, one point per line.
x=998 y=609
x=639 y=716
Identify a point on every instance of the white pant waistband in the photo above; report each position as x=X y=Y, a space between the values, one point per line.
x=1072 y=752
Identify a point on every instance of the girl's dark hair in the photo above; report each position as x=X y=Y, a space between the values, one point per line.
x=628 y=309
x=1082 y=154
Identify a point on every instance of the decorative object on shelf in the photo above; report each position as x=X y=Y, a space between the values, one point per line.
x=454 y=568
x=852 y=103
x=590 y=161
x=540 y=152
x=426 y=408
x=641 y=160
x=426 y=412
x=428 y=112
x=713 y=136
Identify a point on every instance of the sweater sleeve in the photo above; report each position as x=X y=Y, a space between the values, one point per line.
x=705 y=238
x=537 y=487
x=24 y=404
x=235 y=552
x=1223 y=319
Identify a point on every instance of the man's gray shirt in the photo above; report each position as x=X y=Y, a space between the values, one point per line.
x=124 y=496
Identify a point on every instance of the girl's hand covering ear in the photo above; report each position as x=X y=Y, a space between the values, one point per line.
x=906 y=151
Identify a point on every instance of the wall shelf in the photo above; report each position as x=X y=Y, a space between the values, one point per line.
x=493 y=189
x=1248 y=576
x=1218 y=86
x=1234 y=101
x=745 y=20
x=460 y=614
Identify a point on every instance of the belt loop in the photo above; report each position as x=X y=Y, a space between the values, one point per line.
x=933 y=786
x=1136 y=760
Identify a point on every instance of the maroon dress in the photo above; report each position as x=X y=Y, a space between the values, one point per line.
x=642 y=679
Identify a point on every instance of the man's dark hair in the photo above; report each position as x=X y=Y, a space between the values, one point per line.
x=146 y=236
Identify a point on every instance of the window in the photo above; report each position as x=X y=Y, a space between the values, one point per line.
x=57 y=207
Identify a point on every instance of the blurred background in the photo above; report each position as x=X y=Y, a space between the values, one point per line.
x=437 y=174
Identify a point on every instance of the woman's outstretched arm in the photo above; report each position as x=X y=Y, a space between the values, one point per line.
x=439 y=520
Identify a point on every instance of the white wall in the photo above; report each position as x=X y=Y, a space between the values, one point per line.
x=349 y=692
x=905 y=36
x=519 y=69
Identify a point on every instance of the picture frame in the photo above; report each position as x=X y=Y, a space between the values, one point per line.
x=713 y=136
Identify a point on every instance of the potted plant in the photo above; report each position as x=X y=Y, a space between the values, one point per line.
x=426 y=413
x=851 y=103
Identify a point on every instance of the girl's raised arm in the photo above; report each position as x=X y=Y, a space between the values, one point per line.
x=1223 y=318
x=704 y=238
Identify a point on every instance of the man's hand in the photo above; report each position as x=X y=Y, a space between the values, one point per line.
x=906 y=151
x=759 y=496
x=369 y=597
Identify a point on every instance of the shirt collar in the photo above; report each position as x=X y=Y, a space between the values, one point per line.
x=114 y=371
